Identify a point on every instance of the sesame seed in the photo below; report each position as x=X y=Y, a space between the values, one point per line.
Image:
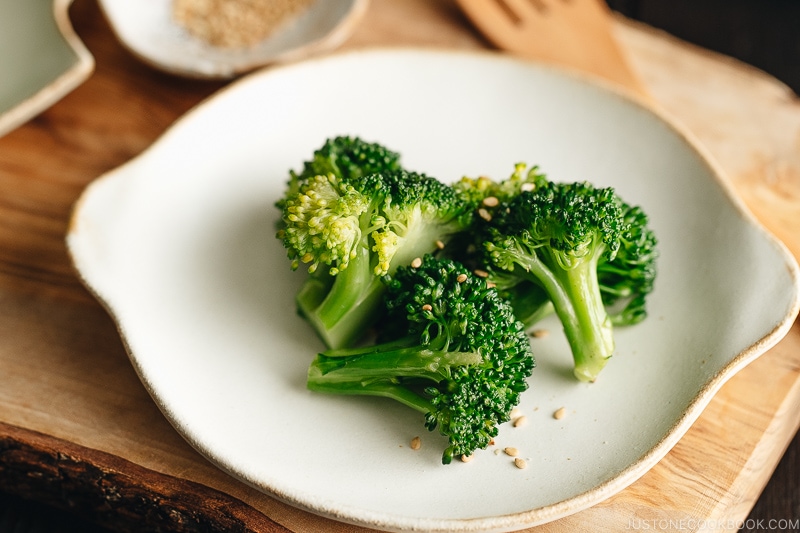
x=466 y=458
x=491 y=201
x=520 y=421
x=416 y=443
x=481 y=273
x=510 y=450
x=416 y=263
x=527 y=187
x=560 y=413
x=484 y=214
x=439 y=245
x=461 y=278
x=540 y=333
x=520 y=463
x=427 y=307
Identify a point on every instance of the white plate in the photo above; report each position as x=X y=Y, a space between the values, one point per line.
x=148 y=30
x=41 y=58
x=179 y=245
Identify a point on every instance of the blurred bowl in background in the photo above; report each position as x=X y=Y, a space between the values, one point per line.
x=150 y=31
x=41 y=58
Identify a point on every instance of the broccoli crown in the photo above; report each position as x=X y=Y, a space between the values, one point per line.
x=628 y=278
x=404 y=214
x=555 y=236
x=569 y=221
x=352 y=231
x=350 y=157
x=322 y=223
x=463 y=359
x=485 y=196
x=484 y=192
x=345 y=158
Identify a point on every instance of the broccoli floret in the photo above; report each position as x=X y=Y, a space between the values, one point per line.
x=345 y=157
x=625 y=280
x=350 y=157
x=628 y=278
x=555 y=236
x=352 y=231
x=484 y=196
x=463 y=359
x=485 y=193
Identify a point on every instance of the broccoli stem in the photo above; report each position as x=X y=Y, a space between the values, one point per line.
x=576 y=297
x=386 y=369
x=342 y=314
x=385 y=389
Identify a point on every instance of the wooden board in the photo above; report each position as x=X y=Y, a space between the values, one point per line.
x=77 y=429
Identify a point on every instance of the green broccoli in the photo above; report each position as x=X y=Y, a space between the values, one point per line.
x=345 y=157
x=625 y=277
x=485 y=193
x=529 y=300
x=462 y=360
x=556 y=236
x=353 y=230
x=625 y=281
x=629 y=277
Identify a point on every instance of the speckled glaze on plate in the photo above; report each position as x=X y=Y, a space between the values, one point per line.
x=148 y=30
x=41 y=58
x=179 y=245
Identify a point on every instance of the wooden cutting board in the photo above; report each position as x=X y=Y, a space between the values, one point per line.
x=77 y=428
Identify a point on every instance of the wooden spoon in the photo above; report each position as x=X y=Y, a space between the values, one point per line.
x=572 y=33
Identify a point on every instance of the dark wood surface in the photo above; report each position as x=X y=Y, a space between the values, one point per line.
x=763 y=33
x=768 y=43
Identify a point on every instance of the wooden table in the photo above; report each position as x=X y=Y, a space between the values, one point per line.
x=78 y=430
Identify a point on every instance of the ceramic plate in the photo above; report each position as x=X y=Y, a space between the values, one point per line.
x=179 y=245
x=41 y=58
x=149 y=31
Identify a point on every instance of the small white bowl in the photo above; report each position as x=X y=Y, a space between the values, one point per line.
x=149 y=31
x=41 y=59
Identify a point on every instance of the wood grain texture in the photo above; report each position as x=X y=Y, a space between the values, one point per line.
x=576 y=34
x=66 y=382
x=113 y=492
